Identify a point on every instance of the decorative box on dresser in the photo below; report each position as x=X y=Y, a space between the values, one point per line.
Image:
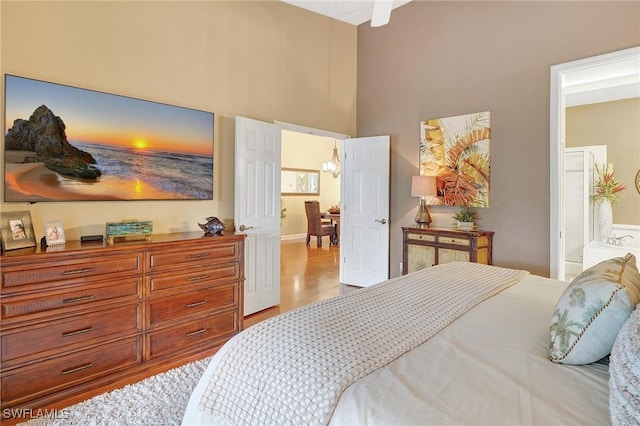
x=424 y=247
x=82 y=319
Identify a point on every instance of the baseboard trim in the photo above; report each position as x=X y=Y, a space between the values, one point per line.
x=292 y=237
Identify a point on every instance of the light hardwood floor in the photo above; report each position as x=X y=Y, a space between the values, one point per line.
x=307 y=274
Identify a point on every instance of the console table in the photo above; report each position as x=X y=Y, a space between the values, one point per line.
x=85 y=318
x=424 y=247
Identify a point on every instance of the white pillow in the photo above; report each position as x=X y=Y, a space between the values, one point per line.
x=592 y=310
x=624 y=373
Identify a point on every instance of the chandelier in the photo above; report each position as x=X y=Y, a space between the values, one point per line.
x=331 y=166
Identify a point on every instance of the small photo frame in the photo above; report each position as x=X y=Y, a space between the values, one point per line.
x=16 y=230
x=54 y=232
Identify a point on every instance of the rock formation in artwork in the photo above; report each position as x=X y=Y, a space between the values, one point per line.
x=44 y=134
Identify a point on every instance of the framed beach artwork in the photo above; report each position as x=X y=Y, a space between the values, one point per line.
x=16 y=230
x=65 y=143
x=457 y=151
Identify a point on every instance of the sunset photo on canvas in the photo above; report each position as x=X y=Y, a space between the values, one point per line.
x=132 y=149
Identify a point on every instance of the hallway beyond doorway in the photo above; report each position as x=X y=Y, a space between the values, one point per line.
x=307 y=274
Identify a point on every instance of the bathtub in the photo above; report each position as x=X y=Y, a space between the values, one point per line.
x=624 y=239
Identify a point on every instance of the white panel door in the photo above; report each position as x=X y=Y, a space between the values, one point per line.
x=364 y=211
x=577 y=202
x=257 y=210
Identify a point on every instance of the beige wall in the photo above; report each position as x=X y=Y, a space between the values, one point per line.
x=271 y=61
x=264 y=60
x=302 y=151
x=615 y=124
x=441 y=59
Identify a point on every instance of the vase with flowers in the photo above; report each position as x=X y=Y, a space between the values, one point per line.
x=607 y=189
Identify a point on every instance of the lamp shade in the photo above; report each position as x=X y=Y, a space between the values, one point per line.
x=421 y=186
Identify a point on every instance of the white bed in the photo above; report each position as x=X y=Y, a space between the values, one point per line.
x=488 y=367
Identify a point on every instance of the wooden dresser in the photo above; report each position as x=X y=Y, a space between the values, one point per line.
x=81 y=319
x=424 y=247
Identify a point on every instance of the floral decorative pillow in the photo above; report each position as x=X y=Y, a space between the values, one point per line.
x=592 y=310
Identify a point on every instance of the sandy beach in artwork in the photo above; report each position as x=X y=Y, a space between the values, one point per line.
x=34 y=182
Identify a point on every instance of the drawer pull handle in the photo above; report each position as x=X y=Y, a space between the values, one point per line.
x=79 y=368
x=197 y=255
x=194 y=304
x=78 y=299
x=193 y=333
x=198 y=278
x=78 y=271
x=74 y=333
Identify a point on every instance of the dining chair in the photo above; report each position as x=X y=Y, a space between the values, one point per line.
x=315 y=226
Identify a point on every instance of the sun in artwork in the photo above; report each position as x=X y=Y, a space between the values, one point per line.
x=140 y=143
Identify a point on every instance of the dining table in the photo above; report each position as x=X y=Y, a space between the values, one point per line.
x=335 y=220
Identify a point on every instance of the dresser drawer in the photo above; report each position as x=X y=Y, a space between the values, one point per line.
x=60 y=333
x=206 y=330
x=456 y=241
x=47 y=378
x=81 y=270
x=421 y=237
x=14 y=307
x=194 y=302
x=214 y=254
x=197 y=277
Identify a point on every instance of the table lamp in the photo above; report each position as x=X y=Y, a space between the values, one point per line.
x=423 y=187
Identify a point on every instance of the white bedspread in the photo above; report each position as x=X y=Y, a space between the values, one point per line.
x=488 y=367
x=292 y=369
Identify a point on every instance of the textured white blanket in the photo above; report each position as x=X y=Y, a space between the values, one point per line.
x=292 y=369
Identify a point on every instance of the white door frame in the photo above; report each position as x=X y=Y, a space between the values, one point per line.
x=310 y=130
x=557 y=146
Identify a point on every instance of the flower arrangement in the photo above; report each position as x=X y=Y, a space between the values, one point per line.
x=607 y=187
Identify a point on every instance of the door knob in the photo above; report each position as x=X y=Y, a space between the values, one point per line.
x=244 y=228
x=382 y=221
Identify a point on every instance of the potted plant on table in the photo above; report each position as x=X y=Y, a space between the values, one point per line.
x=466 y=218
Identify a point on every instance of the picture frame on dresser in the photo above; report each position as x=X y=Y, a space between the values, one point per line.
x=16 y=230
x=54 y=232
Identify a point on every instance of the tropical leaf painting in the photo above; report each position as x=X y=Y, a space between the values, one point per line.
x=456 y=151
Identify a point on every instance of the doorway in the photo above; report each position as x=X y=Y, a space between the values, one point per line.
x=363 y=182
x=308 y=273
x=580 y=212
x=307 y=152
x=611 y=76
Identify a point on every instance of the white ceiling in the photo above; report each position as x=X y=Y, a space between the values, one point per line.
x=354 y=12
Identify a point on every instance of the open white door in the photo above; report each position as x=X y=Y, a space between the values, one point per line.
x=364 y=211
x=257 y=210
